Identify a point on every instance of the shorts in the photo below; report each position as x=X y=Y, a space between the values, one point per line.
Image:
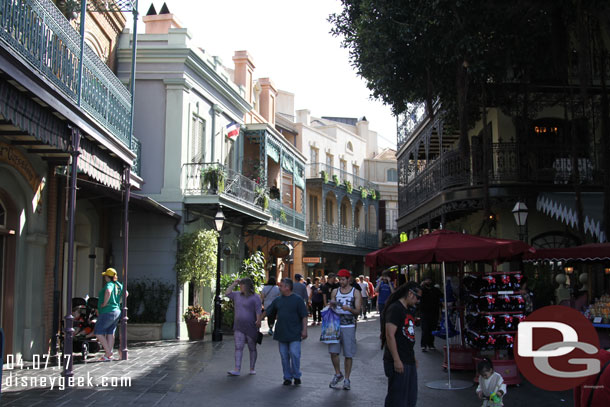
x=107 y=322
x=347 y=342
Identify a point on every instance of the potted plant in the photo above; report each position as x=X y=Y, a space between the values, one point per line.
x=283 y=217
x=364 y=193
x=196 y=319
x=324 y=175
x=213 y=178
x=336 y=180
x=262 y=198
x=348 y=186
x=274 y=192
x=196 y=260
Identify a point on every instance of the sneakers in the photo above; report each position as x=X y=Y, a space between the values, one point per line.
x=297 y=382
x=346 y=384
x=233 y=372
x=336 y=379
x=252 y=371
x=287 y=382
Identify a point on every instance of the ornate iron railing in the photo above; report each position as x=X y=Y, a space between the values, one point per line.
x=219 y=180
x=315 y=170
x=287 y=216
x=508 y=163
x=43 y=37
x=342 y=235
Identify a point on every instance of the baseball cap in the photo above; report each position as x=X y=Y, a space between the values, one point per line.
x=110 y=272
x=344 y=273
x=298 y=277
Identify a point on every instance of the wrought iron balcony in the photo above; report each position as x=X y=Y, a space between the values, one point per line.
x=509 y=163
x=317 y=170
x=39 y=33
x=216 y=179
x=287 y=216
x=343 y=235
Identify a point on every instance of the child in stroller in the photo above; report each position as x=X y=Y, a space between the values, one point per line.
x=84 y=312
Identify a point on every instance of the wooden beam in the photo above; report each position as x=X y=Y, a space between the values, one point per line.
x=45 y=151
x=13 y=133
x=27 y=143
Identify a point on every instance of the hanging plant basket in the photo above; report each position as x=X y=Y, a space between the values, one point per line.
x=280 y=250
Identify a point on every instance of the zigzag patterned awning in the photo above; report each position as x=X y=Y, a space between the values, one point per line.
x=562 y=206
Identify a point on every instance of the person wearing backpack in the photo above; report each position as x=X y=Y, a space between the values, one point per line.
x=269 y=293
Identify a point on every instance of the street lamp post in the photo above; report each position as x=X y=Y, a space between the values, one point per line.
x=219 y=220
x=520 y=213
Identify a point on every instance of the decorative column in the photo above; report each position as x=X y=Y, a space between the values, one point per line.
x=124 y=318
x=69 y=319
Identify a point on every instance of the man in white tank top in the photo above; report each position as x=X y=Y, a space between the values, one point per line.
x=346 y=302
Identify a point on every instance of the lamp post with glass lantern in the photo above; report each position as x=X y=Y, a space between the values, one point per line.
x=219 y=220
x=520 y=213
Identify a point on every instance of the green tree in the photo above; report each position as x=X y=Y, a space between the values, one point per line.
x=196 y=259
x=466 y=56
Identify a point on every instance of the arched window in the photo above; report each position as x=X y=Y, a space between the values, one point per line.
x=392 y=175
x=350 y=147
x=2 y=215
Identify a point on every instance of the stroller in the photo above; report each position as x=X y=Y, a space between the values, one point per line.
x=84 y=312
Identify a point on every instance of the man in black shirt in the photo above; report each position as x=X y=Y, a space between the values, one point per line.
x=398 y=339
x=327 y=289
x=430 y=308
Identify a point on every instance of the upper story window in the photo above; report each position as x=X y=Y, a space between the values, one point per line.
x=343 y=164
x=392 y=175
x=313 y=155
x=349 y=147
x=356 y=170
x=329 y=160
x=197 y=139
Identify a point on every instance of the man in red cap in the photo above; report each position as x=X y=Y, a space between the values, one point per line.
x=346 y=301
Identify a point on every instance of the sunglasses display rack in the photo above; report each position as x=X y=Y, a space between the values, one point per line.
x=493 y=308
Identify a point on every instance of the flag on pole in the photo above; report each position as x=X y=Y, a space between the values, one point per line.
x=232 y=129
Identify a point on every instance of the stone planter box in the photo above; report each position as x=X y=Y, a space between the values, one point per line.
x=144 y=332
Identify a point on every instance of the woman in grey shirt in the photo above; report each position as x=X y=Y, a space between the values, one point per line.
x=269 y=293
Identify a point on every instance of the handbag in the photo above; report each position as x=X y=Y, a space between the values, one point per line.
x=259 y=337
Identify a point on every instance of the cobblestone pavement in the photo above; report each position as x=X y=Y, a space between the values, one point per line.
x=178 y=373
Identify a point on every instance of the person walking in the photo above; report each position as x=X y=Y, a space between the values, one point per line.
x=317 y=301
x=290 y=329
x=384 y=289
x=346 y=301
x=398 y=339
x=327 y=289
x=269 y=293
x=372 y=294
x=299 y=288
x=109 y=312
x=247 y=307
x=365 y=296
x=430 y=308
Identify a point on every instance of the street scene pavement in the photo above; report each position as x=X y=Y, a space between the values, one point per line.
x=179 y=373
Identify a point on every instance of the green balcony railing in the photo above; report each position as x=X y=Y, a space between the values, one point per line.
x=40 y=34
x=287 y=217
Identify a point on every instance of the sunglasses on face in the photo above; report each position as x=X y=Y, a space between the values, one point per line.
x=416 y=295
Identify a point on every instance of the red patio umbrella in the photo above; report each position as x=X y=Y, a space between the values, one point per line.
x=586 y=252
x=447 y=246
